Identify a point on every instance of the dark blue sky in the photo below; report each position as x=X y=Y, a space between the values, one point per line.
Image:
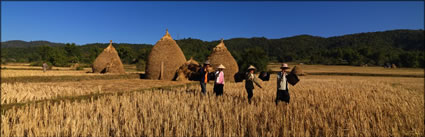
x=145 y=22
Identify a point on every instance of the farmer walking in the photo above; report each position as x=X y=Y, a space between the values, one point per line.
x=282 y=85
x=219 y=80
x=204 y=76
x=45 y=66
x=249 y=82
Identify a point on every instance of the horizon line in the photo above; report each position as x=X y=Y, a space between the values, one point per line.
x=220 y=39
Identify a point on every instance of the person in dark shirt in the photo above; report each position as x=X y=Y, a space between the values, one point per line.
x=204 y=72
x=249 y=82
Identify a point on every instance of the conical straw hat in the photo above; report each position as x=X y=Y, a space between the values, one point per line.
x=284 y=66
x=221 y=66
x=251 y=67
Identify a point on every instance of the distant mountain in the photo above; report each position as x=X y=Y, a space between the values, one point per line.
x=405 y=39
x=24 y=44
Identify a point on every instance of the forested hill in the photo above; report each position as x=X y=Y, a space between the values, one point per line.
x=404 y=48
x=24 y=44
x=401 y=47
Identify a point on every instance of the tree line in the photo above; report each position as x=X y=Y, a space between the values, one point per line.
x=404 y=48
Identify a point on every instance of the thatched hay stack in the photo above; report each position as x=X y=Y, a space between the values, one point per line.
x=108 y=61
x=166 y=54
x=298 y=71
x=221 y=55
x=188 y=71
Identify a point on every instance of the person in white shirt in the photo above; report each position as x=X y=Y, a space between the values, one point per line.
x=282 y=85
x=45 y=66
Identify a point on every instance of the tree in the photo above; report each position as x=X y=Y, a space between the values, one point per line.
x=253 y=56
x=45 y=52
x=58 y=57
x=409 y=59
x=143 y=54
x=126 y=54
x=91 y=54
x=72 y=52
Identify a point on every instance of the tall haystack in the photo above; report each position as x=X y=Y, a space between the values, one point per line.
x=164 y=59
x=221 y=55
x=108 y=61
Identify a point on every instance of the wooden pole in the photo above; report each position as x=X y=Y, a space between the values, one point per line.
x=162 y=71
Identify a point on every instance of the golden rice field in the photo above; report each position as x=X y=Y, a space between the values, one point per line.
x=20 y=73
x=353 y=69
x=23 y=70
x=24 y=92
x=320 y=106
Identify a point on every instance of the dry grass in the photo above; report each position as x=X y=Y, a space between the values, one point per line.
x=352 y=69
x=24 y=70
x=320 y=106
x=24 y=92
x=23 y=73
x=28 y=66
x=118 y=84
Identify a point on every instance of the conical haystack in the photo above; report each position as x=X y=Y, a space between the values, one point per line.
x=165 y=55
x=108 y=61
x=221 y=55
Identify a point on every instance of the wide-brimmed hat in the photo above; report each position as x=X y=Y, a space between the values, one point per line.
x=251 y=67
x=221 y=66
x=284 y=66
x=207 y=62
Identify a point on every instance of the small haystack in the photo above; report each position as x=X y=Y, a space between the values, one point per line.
x=164 y=59
x=297 y=70
x=74 y=66
x=393 y=66
x=108 y=61
x=188 y=71
x=221 y=55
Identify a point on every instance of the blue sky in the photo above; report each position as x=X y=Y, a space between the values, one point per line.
x=145 y=22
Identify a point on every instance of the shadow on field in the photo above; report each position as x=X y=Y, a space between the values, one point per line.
x=142 y=75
